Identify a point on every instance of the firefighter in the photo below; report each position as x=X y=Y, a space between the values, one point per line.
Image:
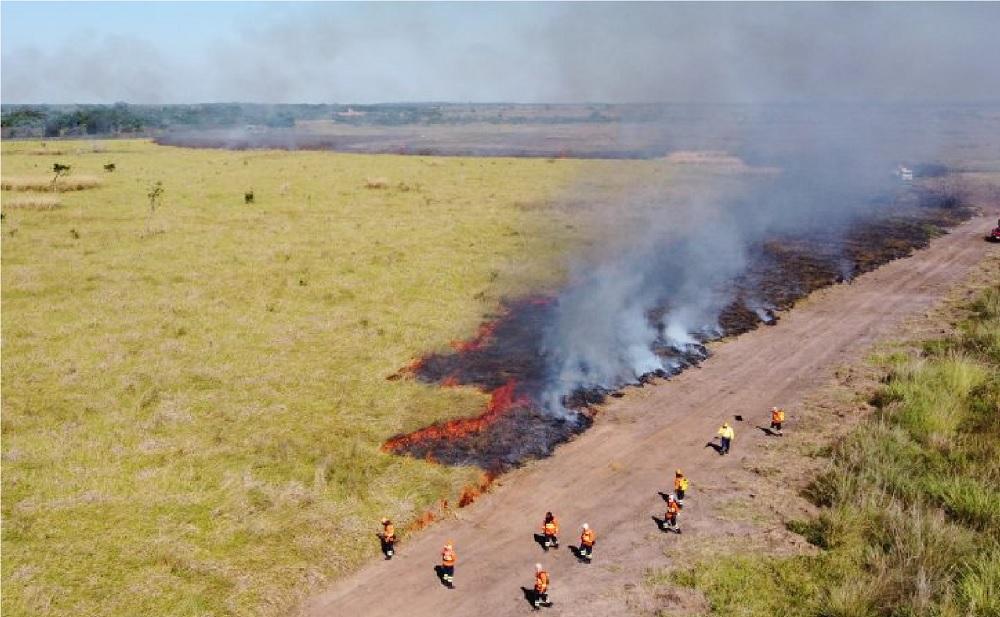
x=541 y=587
x=680 y=486
x=448 y=559
x=550 y=527
x=726 y=435
x=388 y=536
x=670 y=518
x=777 y=418
x=586 y=543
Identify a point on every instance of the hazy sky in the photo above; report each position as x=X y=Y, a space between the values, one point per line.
x=613 y=52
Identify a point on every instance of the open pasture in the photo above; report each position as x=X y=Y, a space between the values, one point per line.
x=196 y=350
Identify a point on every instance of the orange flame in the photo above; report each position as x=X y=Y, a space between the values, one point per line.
x=501 y=400
x=541 y=300
x=471 y=493
x=410 y=369
x=482 y=338
x=421 y=522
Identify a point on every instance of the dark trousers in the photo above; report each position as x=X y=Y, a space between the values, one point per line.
x=448 y=573
x=387 y=547
x=725 y=444
x=586 y=551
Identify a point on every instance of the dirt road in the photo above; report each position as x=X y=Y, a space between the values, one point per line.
x=611 y=476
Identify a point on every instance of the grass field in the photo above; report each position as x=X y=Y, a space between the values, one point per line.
x=194 y=385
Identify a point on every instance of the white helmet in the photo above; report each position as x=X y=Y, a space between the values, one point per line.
x=586 y=526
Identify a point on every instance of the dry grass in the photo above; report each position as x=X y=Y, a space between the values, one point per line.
x=195 y=396
x=62 y=184
x=32 y=202
x=377 y=183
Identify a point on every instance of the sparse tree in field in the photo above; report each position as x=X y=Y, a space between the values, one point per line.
x=155 y=194
x=59 y=169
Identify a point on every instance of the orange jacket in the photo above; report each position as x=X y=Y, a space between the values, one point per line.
x=551 y=528
x=541 y=581
x=448 y=557
x=777 y=415
x=587 y=537
x=672 y=508
x=389 y=533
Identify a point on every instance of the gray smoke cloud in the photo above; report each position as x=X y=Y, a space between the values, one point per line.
x=548 y=52
x=664 y=278
x=602 y=334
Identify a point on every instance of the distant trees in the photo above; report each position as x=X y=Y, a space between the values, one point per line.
x=122 y=118
x=46 y=121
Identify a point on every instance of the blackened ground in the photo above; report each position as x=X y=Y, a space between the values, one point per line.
x=389 y=142
x=783 y=270
x=524 y=432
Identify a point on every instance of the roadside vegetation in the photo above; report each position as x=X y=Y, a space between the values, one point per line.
x=196 y=350
x=909 y=519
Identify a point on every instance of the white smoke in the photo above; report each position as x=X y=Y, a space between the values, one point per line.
x=663 y=278
x=604 y=332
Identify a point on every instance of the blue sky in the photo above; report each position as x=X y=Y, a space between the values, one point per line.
x=369 y=52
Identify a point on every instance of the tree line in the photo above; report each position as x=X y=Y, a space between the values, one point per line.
x=137 y=120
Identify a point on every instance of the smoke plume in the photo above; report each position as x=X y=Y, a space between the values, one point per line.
x=664 y=277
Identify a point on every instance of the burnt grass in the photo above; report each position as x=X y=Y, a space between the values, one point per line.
x=507 y=350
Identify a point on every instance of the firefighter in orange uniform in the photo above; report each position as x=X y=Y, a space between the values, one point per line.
x=448 y=559
x=670 y=518
x=550 y=527
x=680 y=486
x=587 y=543
x=388 y=537
x=541 y=587
x=777 y=419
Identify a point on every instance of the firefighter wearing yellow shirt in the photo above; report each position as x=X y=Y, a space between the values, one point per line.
x=726 y=435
